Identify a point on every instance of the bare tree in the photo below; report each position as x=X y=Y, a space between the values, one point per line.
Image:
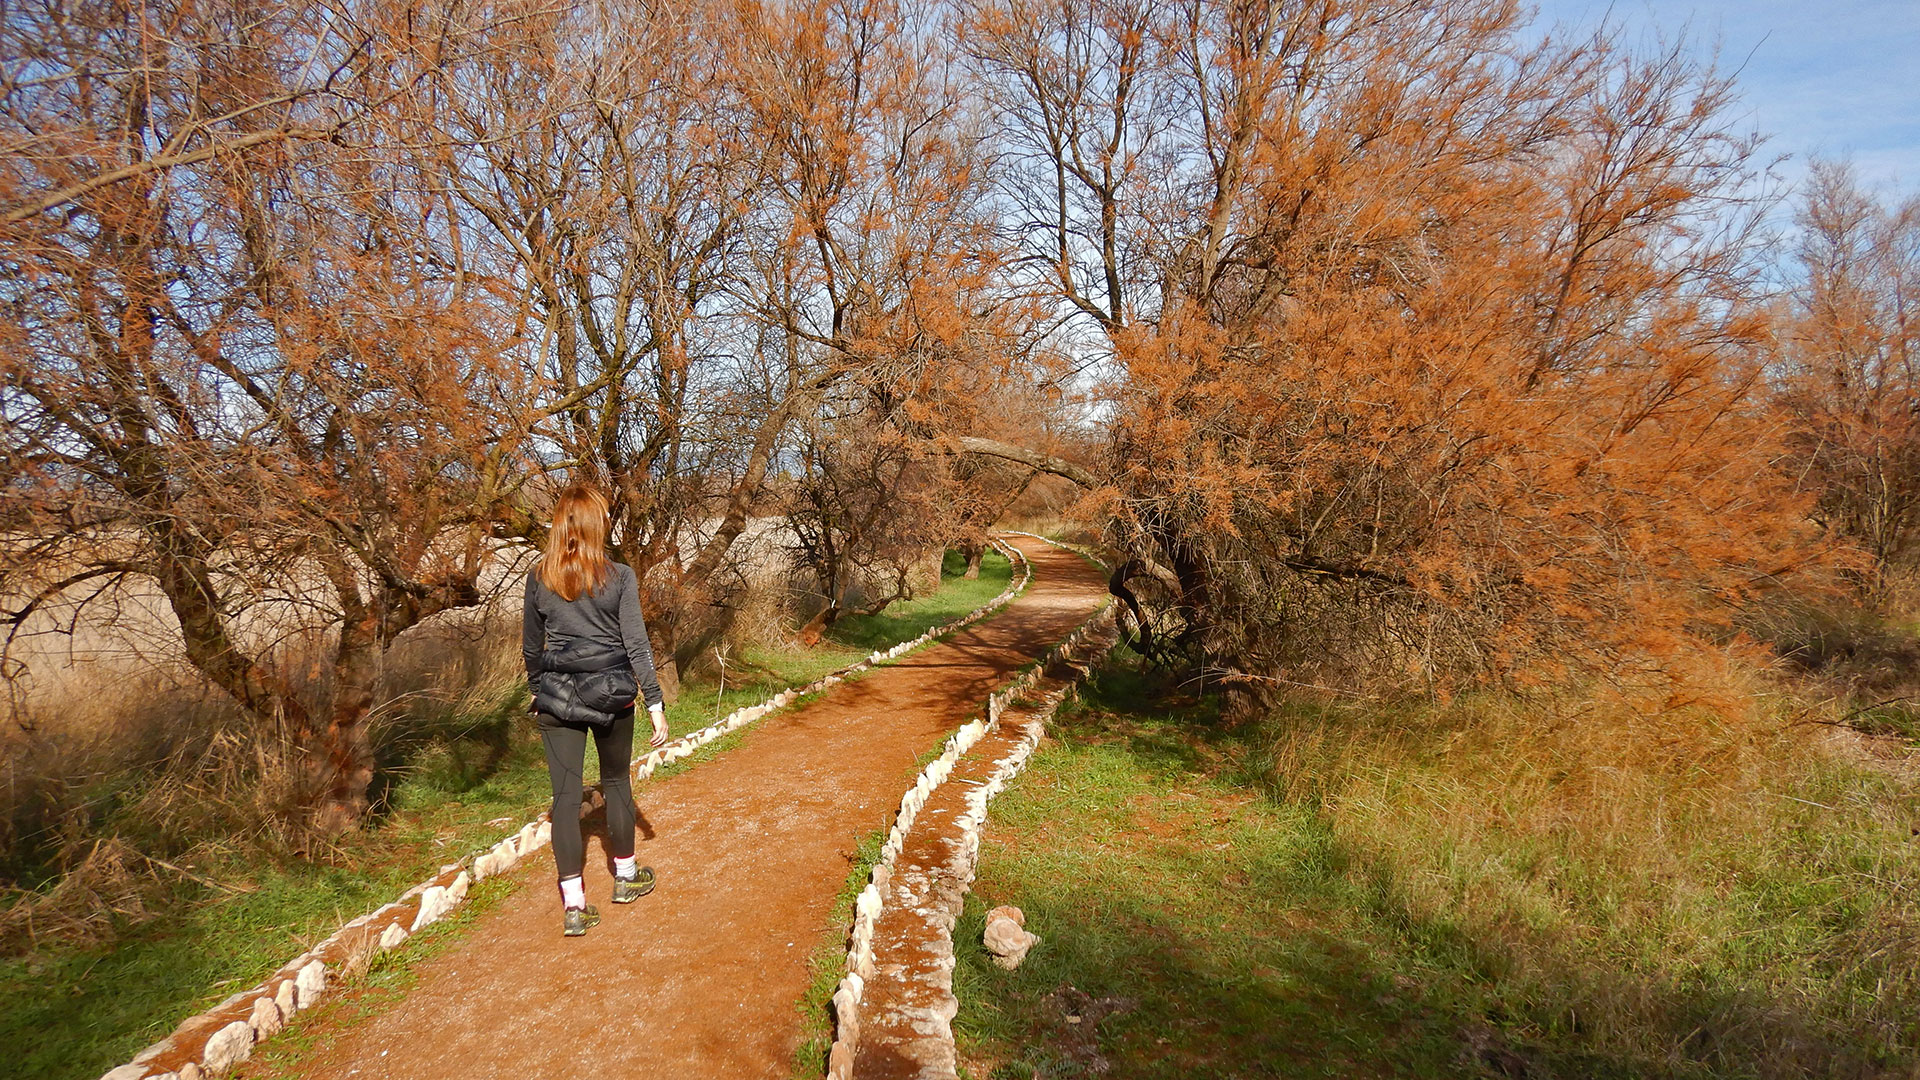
x=1850 y=374
x=243 y=368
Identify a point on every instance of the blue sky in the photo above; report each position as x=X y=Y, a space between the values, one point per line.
x=1835 y=79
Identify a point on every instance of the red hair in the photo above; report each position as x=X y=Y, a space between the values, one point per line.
x=576 y=557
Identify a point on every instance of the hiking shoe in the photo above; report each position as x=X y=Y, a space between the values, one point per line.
x=579 y=920
x=627 y=890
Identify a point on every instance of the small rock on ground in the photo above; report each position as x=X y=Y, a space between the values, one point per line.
x=266 y=1019
x=1008 y=942
x=229 y=1046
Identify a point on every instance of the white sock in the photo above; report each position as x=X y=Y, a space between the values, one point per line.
x=572 y=893
x=624 y=867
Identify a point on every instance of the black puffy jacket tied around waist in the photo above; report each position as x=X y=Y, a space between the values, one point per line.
x=595 y=631
x=585 y=683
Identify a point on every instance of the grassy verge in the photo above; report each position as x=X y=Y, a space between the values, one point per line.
x=1467 y=891
x=456 y=781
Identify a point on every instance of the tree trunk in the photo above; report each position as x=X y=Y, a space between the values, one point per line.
x=340 y=758
x=669 y=675
x=973 y=550
x=816 y=627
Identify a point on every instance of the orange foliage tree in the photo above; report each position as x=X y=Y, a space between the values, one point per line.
x=1425 y=349
x=241 y=365
x=1435 y=351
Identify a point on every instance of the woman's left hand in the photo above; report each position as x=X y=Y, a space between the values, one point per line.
x=659 y=717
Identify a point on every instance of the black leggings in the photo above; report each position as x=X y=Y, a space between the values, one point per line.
x=566 y=757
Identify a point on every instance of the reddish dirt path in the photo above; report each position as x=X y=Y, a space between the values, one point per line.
x=700 y=978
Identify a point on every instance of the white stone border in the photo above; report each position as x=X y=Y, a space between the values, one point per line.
x=216 y=1040
x=869 y=904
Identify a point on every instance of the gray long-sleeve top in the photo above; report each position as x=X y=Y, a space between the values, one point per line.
x=609 y=615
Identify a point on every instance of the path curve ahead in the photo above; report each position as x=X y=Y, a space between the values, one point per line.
x=701 y=978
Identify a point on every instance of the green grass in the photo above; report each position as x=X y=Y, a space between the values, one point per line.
x=73 y=1012
x=863 y=634
x=1441 y=893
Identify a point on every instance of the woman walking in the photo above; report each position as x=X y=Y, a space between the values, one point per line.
x=587 y=660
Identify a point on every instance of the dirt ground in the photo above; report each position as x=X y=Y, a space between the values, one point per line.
x=700 y=979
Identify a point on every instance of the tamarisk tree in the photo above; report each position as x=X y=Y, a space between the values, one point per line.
x=1434 y=347
x=243 y=366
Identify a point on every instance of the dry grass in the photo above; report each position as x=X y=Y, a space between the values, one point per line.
x=124 y=777
x=111 y=798
x=1682 y=887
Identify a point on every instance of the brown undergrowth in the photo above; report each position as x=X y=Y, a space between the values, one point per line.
x=121 y=791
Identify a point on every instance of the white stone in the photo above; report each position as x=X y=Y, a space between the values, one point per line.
x=846 y=1013
x=1008 y=942
x=392 y=936
x=229 y=1046
x=840 y=1061
x=286 y=998
x=523 y=841
x=483 y=866
x=433 y=904
x=457 y=891
x=125 y=1072
x=265 y=1019
x=309 y=984
x=543 y=835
